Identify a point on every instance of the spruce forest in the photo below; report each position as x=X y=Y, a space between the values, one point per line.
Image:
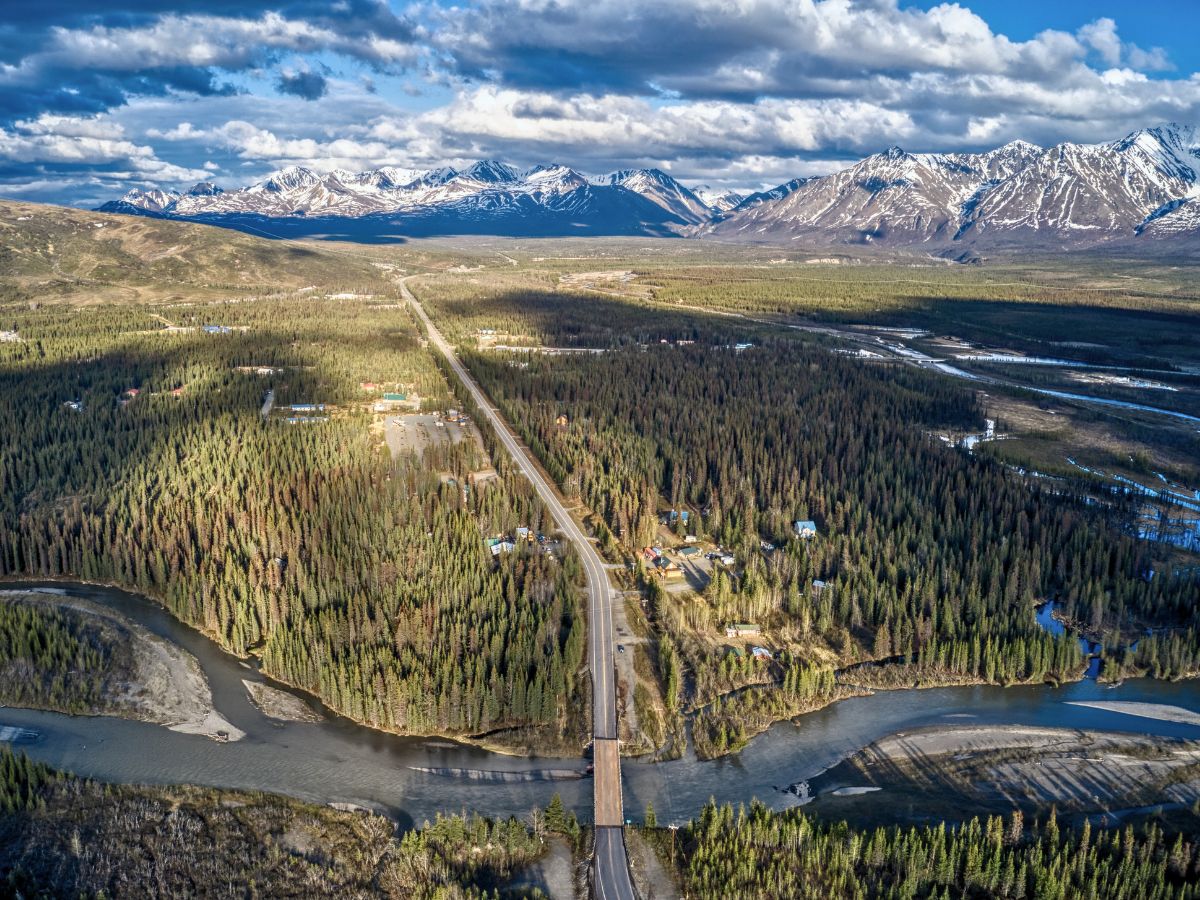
x=135 y=450
x=929 y=561
x=757 y=853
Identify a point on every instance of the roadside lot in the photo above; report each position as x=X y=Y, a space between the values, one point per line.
x=416 y=431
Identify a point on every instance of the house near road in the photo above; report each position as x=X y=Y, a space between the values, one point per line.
x=762 y=653
x=306 y=407
x=689 y=552
x=742 y=629
x=667 y=569
x=805 y=528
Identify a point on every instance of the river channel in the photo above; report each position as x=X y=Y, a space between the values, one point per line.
x=339 y=761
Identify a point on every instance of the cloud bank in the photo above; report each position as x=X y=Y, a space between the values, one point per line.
x=735 y=93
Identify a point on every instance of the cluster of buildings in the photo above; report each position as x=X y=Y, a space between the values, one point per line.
x=521 y=535
x=661 y=565
x=748 y=630
x=671 y=516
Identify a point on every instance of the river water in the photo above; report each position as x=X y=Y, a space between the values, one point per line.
x=338 y=761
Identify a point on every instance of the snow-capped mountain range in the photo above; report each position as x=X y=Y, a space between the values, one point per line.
x=487 y=197
x=1147 y=185
x=1141 y=188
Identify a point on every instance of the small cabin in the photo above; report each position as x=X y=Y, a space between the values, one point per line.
x=805 y=528
x=667 y=569
x=742 y=629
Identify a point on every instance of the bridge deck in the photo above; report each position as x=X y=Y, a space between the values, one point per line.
x=607 y=762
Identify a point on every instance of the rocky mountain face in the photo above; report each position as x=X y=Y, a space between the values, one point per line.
x=1071 y=195
x=1144 y=188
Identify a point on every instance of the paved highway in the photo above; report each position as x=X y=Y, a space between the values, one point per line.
x=611 y=879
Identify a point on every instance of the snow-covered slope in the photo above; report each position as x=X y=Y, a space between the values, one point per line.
x=717 y=200
x=659 y=187
x=1180 y=219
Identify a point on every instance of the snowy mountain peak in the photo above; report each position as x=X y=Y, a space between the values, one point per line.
x=718 y=200
x=154 y=200
x=387 y=178
x=553 y=177
x=490 y=171
x=661 y=189
x=1018 y=146
x=548 y=170
x=1170 y=134
x=639 y=176
x=204 y=189
x=434 y=177
x=291 y=178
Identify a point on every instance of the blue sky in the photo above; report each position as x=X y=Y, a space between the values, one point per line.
x=97 y=98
